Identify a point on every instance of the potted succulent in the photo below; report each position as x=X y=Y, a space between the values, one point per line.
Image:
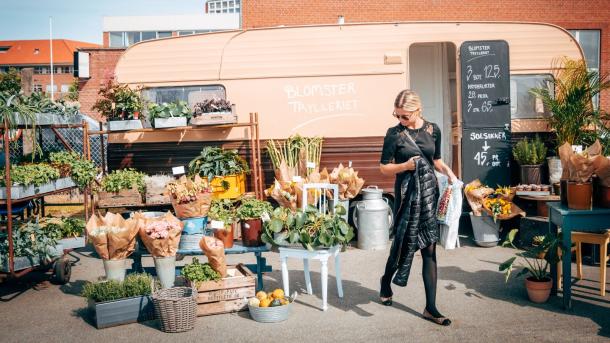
x=222 y=216
x=214 y=111
x=120 y=302
x=224 y=169
x=121 y=106
x=174 y=114
x=539 y=282
x=121 y=188
x=530 y=155
x=250 y=214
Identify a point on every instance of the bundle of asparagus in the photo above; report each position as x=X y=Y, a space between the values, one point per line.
x=296 y=156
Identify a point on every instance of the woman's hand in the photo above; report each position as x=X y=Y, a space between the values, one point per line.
x=410 y=164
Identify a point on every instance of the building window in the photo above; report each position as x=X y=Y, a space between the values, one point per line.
x=191 y=94
x=523 y=104
x=147 y=35
x=36 y=88
x=4 y=48
x=185 y=33
x=116 y=40
x=164 y=34
x=49 y=88
x=65 y=88
x=223 y=6
x=590 y=43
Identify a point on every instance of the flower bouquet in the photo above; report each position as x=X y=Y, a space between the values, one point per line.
x=190 y=198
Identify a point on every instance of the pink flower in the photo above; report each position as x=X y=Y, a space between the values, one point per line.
x=160 y=229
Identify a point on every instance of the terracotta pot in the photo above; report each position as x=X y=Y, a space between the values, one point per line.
x=580 y=195
x=538 y=291
x=251 y=231
x=601 y=194
x=531 y=174
x=226 y=236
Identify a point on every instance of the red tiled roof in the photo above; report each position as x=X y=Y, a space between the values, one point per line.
x=23 y=52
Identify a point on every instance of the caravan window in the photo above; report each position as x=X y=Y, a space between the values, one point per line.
x=190 y=94
x=523 y=104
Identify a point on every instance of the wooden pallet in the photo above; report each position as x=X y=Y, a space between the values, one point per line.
x=125 y=197
x=227 y=295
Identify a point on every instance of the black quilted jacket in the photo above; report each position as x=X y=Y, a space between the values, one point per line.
x=416 y=225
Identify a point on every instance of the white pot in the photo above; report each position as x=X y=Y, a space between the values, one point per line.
x=115 y=269
x=166 y=270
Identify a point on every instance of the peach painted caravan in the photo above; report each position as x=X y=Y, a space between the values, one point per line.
x=335 y=81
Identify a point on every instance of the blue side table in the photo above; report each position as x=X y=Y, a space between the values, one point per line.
x=594 y=220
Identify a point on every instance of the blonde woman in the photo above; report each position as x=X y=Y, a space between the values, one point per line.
x=411 y=152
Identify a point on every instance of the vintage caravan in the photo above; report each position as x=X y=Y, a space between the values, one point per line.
x=339 y=82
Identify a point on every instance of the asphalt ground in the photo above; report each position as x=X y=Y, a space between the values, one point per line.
x=471 y=292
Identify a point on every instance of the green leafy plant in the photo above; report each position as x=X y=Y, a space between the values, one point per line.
x=31 y=241
x=214 y=161
x=42 y=103
x=83 y=172
x=59 y=228
x=10 y=81
x=550 y=246
x=13 y=107
x=574 y=118
x=222 y=210
x=253 y=209
x=31 y=174
x=134 y=285
x=73 y=91
x=168 y=110
x=309 y=228
x=118 y=102
x=528 y=152
x=212 y=106
x=123 y=179
x=197 y=273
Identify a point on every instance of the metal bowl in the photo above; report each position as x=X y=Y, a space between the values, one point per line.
x=270 y=314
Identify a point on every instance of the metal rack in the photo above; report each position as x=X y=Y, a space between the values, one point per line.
x=62 y=266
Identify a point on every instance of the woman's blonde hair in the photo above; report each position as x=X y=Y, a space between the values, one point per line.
x=408 y=100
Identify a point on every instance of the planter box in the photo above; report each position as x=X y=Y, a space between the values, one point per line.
x=170 y=122
x=230 y=294
x=64 y=182
x=122 y=311
x=125 y=197
x=73 y=242
x=51 y=119
x=214 y=118
x=19 y=192
x=20 y=263
x=124 y=125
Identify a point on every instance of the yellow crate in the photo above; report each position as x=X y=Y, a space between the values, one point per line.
x=237 y=186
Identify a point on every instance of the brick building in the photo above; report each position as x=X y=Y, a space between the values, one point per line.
x=36 y=54
x=588 y=21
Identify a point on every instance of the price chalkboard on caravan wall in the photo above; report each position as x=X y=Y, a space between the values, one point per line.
x=485 y=91
x=486 y=156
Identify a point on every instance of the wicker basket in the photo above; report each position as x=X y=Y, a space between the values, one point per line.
x=176 y=308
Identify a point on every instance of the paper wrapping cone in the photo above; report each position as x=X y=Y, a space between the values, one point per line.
x=121 y=241
x=284 y=193
x=514 y=211
x=601 y=164
x=215 y=251
x=580 y=168
x=160 y=247
x=193 y=209
x=475 y=194
x=565 y=151
x=100 y=241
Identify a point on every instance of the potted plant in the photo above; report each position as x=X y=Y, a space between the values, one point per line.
x=530 y=155
x=120 y=302
x=222 y=215
x=29 y=179
x=67 y=231
x=224 y=169
x=32 y=246
x=121 y=106
x=249 y=214
x=539 y=282
x=121 y=188
x=174 y=114
x=195 y=273
x=49 y=111
x=214 y=111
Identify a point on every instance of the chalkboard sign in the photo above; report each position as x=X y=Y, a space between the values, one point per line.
x=486 y=156
x=485 y=76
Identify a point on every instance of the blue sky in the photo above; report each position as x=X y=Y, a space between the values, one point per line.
x=79 y=19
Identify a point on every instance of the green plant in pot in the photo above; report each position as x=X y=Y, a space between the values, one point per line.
x=222 y=216
x=539 y=281
x=530 y=154
x=250 y=214
x=118 y=102
x=220 y=167
x=161 y=114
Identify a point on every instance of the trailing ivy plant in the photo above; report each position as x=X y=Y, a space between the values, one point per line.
x=309 y=228
x=214 y=161
x=123 y=179
x=253 y=209
x=168 y=110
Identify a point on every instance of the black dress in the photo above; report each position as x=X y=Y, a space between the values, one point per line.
x=416 y=193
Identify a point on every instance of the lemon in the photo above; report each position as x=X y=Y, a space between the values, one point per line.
x=261 y=295
x=278 y=293
x=265 y=303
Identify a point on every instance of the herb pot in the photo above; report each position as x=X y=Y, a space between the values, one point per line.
x=225 y=235
x=538 y=291
x=115 y=269
x=579 y=195
x=251 y=231
x=530 y=174
x=122 y=311
x=166 y=270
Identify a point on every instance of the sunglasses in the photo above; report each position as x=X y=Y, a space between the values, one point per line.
x=404 y=116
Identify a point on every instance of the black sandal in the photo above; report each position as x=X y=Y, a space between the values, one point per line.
x=387 y=302
x=440 y=320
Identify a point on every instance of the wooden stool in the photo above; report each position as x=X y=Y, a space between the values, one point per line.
x=593 y=238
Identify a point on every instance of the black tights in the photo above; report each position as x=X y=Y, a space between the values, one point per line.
x=429 y=274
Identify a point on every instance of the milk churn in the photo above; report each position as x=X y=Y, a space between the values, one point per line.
x=373 y=219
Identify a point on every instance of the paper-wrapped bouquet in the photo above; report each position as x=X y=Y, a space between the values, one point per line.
x=112 y=236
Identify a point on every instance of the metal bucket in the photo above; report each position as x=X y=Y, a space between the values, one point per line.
x=166 y=270
x=486 y=232
x=373 y=219
x=115 y=269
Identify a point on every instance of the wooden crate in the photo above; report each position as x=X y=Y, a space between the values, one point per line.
x=214 y=119
x=125 y=197
x=229 y=294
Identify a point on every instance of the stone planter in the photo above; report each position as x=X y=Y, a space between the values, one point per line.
x=170 y=122
x=124 y=125
x=122 y=311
